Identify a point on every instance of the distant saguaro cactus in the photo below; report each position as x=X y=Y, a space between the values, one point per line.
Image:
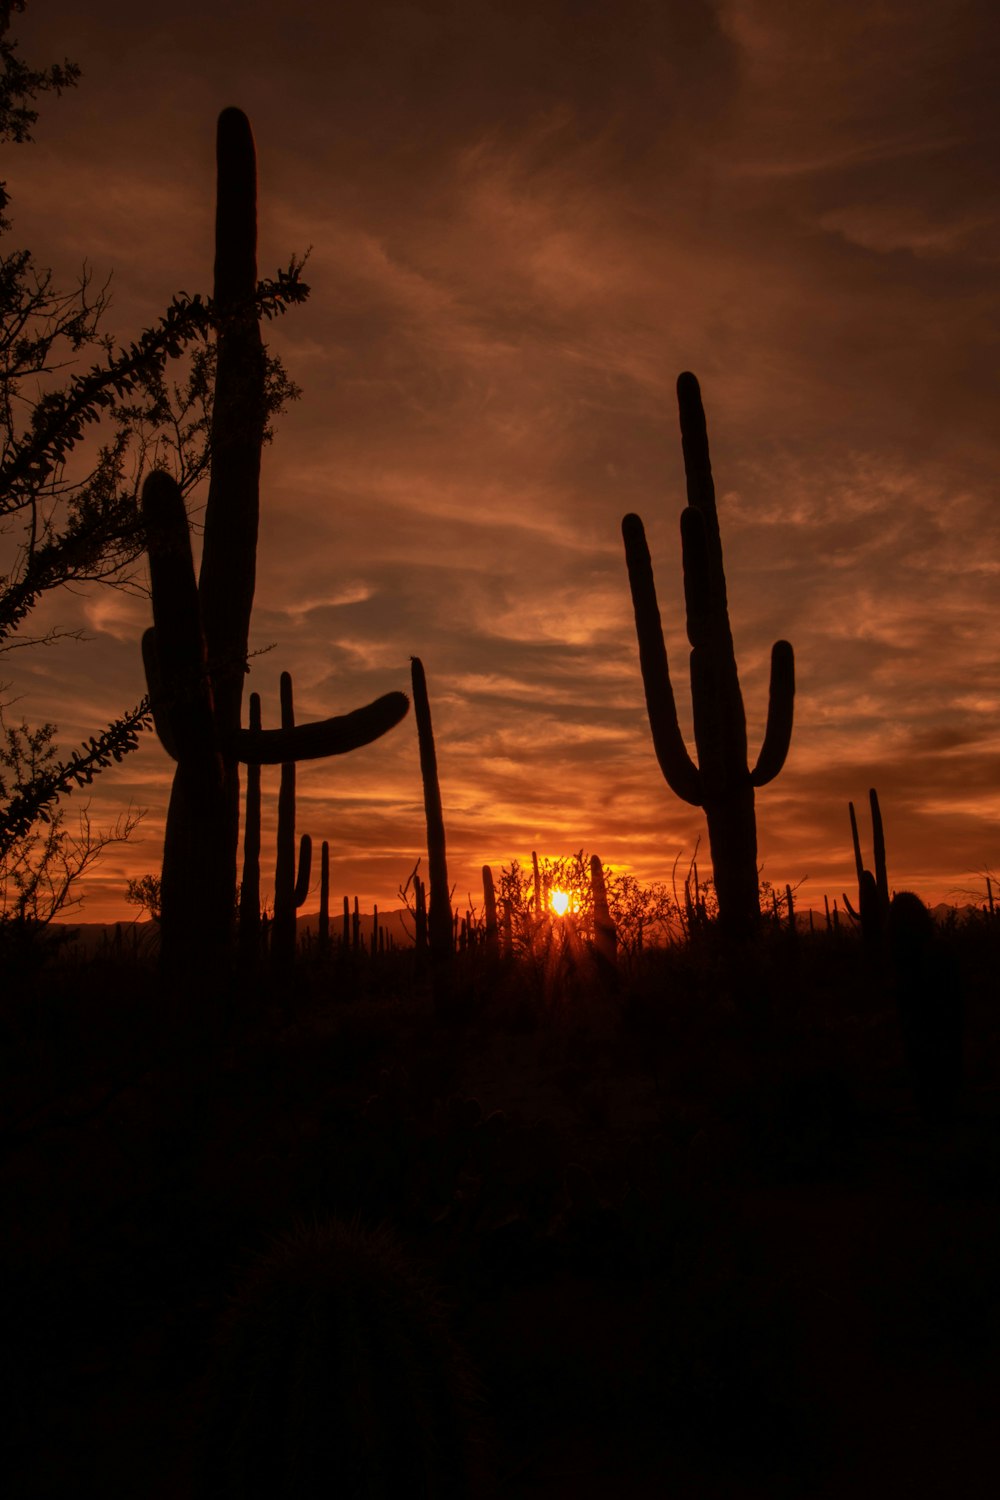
x=324 y=897
x=195 y=656
x=249 y=924
x=439 y=915
x=334 y=1373
x=721 y=782
x=873 y=890
x=290 y=889
x=491 y=934
x=605 y=936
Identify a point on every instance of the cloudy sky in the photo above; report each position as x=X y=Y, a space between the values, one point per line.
x=524 y=220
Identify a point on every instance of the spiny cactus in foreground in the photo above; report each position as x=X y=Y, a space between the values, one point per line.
x=334 y=1373
x=873 y=890
x=196 y=653
x=721 y=782
x=439 y=915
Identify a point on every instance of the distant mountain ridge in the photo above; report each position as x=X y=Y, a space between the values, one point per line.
x=91 y=936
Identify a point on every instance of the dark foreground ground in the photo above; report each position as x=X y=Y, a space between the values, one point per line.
x=692 y=1234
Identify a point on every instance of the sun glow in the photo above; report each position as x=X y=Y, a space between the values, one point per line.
x=560 y=902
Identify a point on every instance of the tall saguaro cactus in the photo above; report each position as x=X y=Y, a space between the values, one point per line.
x=721 y=782
x=439 y=916
x=196 y=654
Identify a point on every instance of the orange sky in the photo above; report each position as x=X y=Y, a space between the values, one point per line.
x=525 y=220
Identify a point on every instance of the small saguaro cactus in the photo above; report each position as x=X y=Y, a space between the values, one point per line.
x=290 y=889
x=420 y=914
x=721 y=782
x=324 y=897
x=491 y=935
x=439 y=915
x=605 y=936
x=249 y=924
x=873 y=890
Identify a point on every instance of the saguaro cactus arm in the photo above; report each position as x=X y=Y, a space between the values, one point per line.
x=780 y=712
x=175 y=648
x=335 y=736
x=680 y=771
x=157 y=693
x=304 y=873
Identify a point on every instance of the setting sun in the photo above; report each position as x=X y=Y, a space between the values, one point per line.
x=560 y=902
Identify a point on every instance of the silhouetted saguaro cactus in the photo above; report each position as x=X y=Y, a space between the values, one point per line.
x=439 y=916
x=290 y=889
x=873 y=889
x=605 y=936
x=420 y=914
x=249 y=926
x=324 y=897
x=490 y=910
x=721 y=782
x=196 y=653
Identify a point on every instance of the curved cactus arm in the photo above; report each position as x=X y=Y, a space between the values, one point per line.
x=157 y=696
x=336 y=736
x=680 y=771
x=301 y=890
x=780 y=712
x=178 y=653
